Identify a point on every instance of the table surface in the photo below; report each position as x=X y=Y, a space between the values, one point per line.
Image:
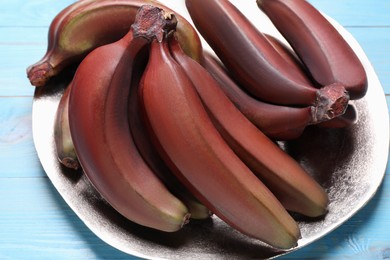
x=35 y=223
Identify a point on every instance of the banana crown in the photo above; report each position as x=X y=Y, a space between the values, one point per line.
x=155 y=22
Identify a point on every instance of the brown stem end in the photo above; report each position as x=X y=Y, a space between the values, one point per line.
x=39 y=73
x=153 y=22
x=71 y=163
x=332 y=101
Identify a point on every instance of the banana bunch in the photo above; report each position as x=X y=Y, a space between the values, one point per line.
x=313 y=84
x=167 y=132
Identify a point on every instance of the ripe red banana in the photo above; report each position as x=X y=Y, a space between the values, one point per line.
x=286 y=179
x=291 y=58
x=87 y=24
x=63 y=140
x=348 y=118
x=188 y=141
x=276 y=121
x=326 y=54
x=98 y=111
x=254 y=63
x=151 y=156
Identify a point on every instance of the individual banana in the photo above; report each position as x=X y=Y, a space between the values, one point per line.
x=87 y=24
x=98 y=107
x=255 y=64
x=292 y=59
x=286 y=179
x=348 y=118
x=148 y=151
x=276 y=121
x=323 y=50
x=66 y=153
x=187 y=140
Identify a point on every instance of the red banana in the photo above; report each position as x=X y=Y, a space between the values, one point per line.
x=63 y=140
x=291 y=58
x=254 y=63
x=87 y=24
x=149 y=153
x=98 y=106
x=323 y=50
x=348 y=118
x=286 y=179
x=276 y=121
x=188 y=140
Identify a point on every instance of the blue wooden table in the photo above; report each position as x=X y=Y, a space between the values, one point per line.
x=35 y=223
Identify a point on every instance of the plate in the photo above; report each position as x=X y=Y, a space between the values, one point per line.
x=350 y=163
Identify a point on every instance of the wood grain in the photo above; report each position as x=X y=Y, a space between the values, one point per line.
x=353 y=13
x=37 y=13
x=35 y=223
x=18 y=158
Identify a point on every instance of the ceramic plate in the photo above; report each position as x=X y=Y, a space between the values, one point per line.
x=350 y=163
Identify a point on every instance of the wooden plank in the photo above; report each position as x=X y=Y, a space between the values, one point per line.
x=36 y=222
x=13 y=78
x=373 y=40
x=352 y=13
x=21 y=13
x=19 y=48
x=18 y=158
x=347 y=12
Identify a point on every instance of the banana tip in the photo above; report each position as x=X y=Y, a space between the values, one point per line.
x=38 y=74
x=70 y=163
x=186 y=219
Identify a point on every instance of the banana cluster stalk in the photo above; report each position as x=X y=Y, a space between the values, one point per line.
x=167 y=132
